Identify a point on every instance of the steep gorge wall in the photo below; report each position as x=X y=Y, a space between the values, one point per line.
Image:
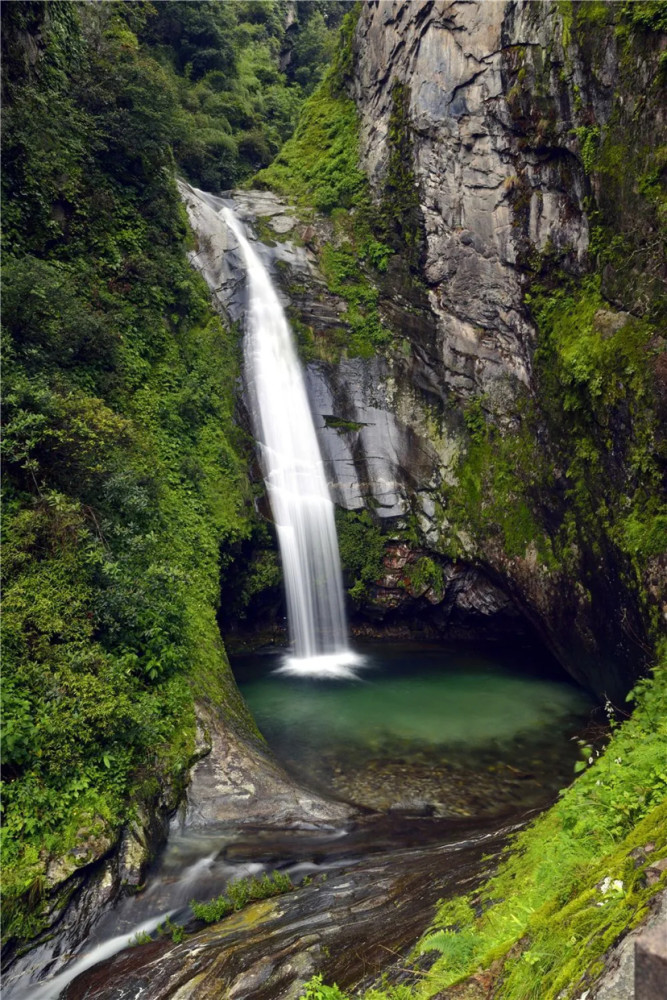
x=501 y=427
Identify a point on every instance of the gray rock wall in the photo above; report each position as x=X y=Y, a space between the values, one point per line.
x=385 y=438
x=467 y=162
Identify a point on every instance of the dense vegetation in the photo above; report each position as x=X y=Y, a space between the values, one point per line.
x=125 y=476
x=238 y=73
x=319 y=166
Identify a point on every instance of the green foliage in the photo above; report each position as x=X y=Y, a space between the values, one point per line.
x=216 y=909
x=318 y=166
x=124 y=481
x=342 y=425
x=377 y=253
x=141 y=937
x=313 y=48
x=644 y=530
x=475 y=420
x=423 y=575
x=319 y=169
x=595 y=371
x=240 y=893
x=222 y=66
x=361 y=545
x=593 y=368
x=456 y=947
x=167 y=929
x=171 y=930
x=648 y=15
x=340 y=267
x=593 y=363
x=497 y=478
x=589 y=145
x=316 y=989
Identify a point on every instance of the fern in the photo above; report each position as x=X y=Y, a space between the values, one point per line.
x=455 y=948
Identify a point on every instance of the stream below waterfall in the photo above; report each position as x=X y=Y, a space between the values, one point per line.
x=442 y=750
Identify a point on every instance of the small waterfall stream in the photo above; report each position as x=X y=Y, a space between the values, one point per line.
x=294 y=477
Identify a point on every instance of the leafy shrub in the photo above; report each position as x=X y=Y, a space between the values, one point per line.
x=361 y=545
x=316 y=989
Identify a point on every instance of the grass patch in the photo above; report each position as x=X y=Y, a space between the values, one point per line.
x=240 y=893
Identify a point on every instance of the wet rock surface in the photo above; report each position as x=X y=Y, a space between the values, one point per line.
x=384 y=445
x=236 y=781
x=344 y=926
x=463 y=602
x=384 y=441
x=240 y=781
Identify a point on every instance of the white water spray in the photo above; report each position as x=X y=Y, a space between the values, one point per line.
x=295 y=481
x=52 y=988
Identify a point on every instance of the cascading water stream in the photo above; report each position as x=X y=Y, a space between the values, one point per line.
x=294 y=475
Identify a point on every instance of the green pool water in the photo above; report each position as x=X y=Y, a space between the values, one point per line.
x=455 y=731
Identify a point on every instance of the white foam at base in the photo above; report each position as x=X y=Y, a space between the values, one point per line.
x=336 y=666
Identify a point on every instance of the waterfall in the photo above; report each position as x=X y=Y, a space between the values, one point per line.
x=294 y=476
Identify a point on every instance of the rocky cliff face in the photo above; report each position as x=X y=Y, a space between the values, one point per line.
x=464 y=435
x=524 y=121
x=468 y=163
